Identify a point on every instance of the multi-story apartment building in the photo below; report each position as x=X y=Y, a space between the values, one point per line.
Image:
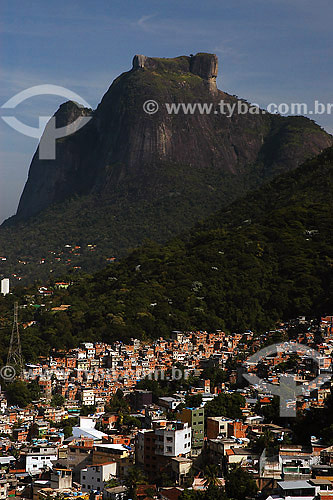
x=156 y=447
x=95 y=477
x=61 y=479
x=173 y=440
x=87 y=397
x=195 y=418
x=217 y=427
x=39 y=458
x=109 y=452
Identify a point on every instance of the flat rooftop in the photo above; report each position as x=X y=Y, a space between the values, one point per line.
x=294 y=485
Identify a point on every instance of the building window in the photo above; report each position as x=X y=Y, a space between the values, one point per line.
x=169 y=448
x=83 y=477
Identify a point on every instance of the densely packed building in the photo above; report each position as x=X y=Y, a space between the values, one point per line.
x=72 y=442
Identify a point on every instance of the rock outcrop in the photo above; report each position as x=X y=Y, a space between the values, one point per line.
x=203 y=65
x=139 y=61
x=138 y=175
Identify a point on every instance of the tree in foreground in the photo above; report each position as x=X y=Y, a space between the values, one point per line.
x=211 y=476
x=134 y=477
x=211 y=493
x=240 y=484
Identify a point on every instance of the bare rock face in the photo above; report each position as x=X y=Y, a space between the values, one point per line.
x=139 y=61
x=205 y=66
x=52 y=180
x=125 y=152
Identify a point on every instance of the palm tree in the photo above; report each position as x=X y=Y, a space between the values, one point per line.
x=134 y=477
x=211 y=476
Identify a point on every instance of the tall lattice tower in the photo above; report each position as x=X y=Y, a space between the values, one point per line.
x=15 y=357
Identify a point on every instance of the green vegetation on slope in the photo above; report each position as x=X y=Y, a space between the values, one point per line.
x=267 y=257
x=128 y=176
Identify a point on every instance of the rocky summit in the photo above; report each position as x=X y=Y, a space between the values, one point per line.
x=129 y=175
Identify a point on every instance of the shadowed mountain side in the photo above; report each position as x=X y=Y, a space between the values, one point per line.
x=128 y=175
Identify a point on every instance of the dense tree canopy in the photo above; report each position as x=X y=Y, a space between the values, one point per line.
x=225 y=405
x=266 y=258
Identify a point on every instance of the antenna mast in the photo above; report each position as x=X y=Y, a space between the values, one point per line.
x=15 y=357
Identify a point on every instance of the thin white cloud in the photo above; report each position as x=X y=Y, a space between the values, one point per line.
x=166 y=27
x=142 y=22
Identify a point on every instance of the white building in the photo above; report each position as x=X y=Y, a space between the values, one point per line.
x=3 y=403
x=5 y=286
x=173 y=440
x=7 y=461
x=86 y=428
x=94 y=477
x=140 y=445
x=296 y=462
x=87 y=397
x=115 y=493
x=170 y=403
x=87 y=345
x=40 y=458
x=3 y=487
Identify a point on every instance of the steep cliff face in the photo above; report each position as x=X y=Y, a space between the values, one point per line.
x=51 y=181
x=124 y=151
x=129 y=175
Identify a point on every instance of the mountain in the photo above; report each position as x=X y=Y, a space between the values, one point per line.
x=128 y=175
x=266 y=257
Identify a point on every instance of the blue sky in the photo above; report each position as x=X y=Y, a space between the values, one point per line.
x=269 y=51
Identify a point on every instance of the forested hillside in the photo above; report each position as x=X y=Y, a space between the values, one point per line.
x=129 y=175
x=266 y=258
